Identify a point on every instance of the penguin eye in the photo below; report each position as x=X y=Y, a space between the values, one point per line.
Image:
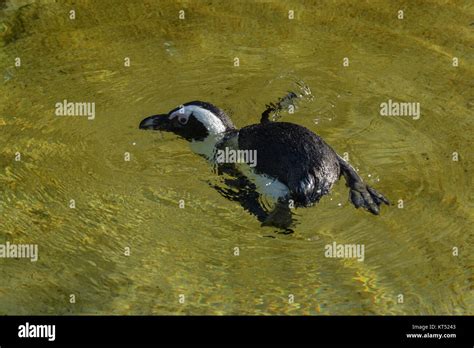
x=182 y=120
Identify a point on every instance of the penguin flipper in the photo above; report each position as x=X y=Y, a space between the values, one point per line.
x=279 y=105
x=280 y=217
x=239 y=189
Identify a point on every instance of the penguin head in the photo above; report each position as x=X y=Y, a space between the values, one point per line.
x=194 y=121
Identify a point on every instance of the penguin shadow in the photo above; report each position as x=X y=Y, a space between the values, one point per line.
x=236 y=187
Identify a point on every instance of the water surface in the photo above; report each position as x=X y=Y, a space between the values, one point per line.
x=134 y=204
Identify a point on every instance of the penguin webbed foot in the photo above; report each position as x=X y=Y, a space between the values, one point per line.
x=362 y=195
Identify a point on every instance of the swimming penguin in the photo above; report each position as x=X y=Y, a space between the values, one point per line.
x=293 y=166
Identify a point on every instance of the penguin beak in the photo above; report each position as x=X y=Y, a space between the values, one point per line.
x=156 y=122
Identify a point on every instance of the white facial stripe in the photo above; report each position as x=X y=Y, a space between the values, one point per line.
x=212 y=123
x=182 y=116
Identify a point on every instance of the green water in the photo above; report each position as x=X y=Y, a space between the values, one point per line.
x=134 y=204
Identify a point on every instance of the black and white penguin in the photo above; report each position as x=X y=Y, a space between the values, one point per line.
x=294 y=165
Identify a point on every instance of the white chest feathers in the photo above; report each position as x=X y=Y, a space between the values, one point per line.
x=207 y=147
x=266 y=185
